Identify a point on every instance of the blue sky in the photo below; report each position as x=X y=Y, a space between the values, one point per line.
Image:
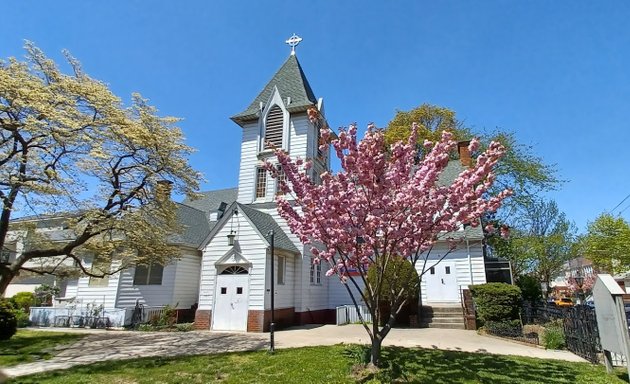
x=555 y=73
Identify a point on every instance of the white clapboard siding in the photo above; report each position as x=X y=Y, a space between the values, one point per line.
x=149 y=295
x=187 y=279
x=300 y=138
x=105 y=295
x=284 y=293
x=71 y=288
x=306 y=296
x=299 y=128
x=249 y=162
x=252 y=248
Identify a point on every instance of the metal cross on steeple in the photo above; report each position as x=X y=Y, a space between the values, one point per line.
x=293 y=41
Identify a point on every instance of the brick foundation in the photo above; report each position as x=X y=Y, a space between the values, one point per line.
x=202 y=319
x=258 y=321
x=322 y=316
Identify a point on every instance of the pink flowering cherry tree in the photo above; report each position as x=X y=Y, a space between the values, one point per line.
x=383 y=203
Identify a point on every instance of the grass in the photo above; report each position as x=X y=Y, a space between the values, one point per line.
x=336 y=364
x=26 y=346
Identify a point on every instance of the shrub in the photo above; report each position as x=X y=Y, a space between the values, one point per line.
x=21 y=316
x=553 y=335
x=530 y=288
x=184 y=327
x=23 y=300
x=44 y=294
x=8 y=322
x=496 y=302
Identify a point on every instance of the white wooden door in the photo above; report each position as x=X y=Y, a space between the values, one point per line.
x=441 y=283
x=231 y=302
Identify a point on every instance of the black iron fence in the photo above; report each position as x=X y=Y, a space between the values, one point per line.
x=579 y=324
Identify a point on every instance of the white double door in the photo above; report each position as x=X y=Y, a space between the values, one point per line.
x=441 y=283
x=231 y=298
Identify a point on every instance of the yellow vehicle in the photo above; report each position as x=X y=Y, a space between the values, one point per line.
x=564 y=302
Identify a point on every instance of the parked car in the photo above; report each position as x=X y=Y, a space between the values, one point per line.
x=564 y=302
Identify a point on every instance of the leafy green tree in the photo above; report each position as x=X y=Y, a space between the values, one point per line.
x=519 y=169
x=530 y=288
x=545 y=240
x=607 y=243
x=68 y=144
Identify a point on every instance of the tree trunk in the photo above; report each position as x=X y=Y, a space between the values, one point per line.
x=6 y=275
x=375 y=351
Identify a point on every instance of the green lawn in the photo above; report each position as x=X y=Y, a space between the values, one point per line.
x=335 y=364
x=26 y=346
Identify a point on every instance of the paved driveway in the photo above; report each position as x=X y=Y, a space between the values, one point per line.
x=116 y=345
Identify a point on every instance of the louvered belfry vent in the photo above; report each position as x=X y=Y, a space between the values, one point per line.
x=273 y=128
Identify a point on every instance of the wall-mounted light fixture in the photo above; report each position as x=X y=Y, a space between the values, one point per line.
x=232 y=235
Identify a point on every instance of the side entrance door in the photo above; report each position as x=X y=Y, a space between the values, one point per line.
x=231 y=300
x=442 y=283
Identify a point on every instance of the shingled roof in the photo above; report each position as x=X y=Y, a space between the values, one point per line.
x=195 y=226
x=264 y=223
x=210 y=200
x=291 y=82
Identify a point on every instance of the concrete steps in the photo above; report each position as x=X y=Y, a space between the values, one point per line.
x=443 y=316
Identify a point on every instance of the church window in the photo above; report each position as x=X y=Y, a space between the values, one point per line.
x=280 y=179
x=274 y=128
x=316 y=272
x=261 y=182
x=281 y=270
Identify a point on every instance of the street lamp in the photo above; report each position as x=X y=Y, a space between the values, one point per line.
x=272 y=326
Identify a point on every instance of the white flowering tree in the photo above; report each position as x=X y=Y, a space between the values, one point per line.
x=69 y=149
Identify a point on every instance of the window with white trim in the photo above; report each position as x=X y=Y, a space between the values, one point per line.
x=316 y=272
x=261 y=182
x=280 y=179
x=281 y=268
x=274 y=125
x=148 y=274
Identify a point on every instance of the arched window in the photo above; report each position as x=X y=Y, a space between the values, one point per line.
x=274 y=128
x=234 y=270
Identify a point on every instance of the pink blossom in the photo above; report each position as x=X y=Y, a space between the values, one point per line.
x=394 y=204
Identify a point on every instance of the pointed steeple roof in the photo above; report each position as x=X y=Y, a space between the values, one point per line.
x=291 y=83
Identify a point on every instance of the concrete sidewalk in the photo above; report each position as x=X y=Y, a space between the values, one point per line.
x=116 y=345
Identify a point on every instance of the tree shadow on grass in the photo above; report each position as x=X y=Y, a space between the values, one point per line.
x=405 y=365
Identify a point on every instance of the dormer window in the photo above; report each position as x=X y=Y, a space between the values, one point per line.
x=274 y=125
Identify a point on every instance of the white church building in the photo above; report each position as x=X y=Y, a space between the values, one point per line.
x=235 y=286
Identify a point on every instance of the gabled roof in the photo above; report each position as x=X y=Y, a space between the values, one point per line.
x=291 y=82
x=210 y=200
x=446 y=178
x=261 y=221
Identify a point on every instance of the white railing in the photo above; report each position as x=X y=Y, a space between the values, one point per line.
x=77 y=317
x=348 y=314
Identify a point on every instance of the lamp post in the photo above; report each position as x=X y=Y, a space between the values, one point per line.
x=272 y=325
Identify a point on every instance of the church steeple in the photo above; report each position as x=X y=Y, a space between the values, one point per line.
x=292 y=86
x=277 y=119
